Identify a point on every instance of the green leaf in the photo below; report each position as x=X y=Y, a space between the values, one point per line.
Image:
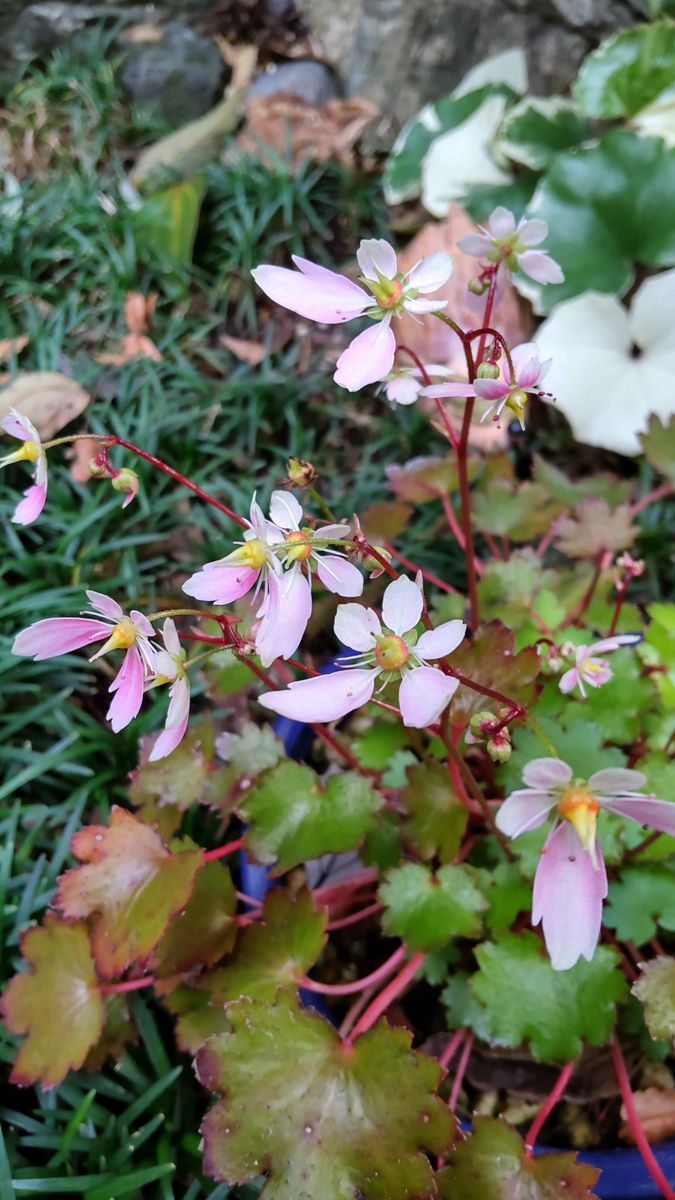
x=426 y=478
x=320 y=1119
x=581 y=747
x=520 y=512
x=132 y=883
x=274 y=952
x=435 y=818
x=426 y=909
x=174 y=216
x=607 y=208
x=628 y=71
x=376 y=745
x=492 y=1164
x=198 y=1018
x=489 y=659
x=553 y=1010
x=538 y=128
x=382 y=845
x=506 y=893
x=462 y=1009
x=483 y=198
x=204 y=931
x=226 y=674
x=118 y=1031
x=185 y=778
x=655 y=988
x=252 y=750
x=56 y=1002
x=571 y=491
x=658 y=445
x=615 y=707
x=293 y=817
x=642 y=897
x=594 y=528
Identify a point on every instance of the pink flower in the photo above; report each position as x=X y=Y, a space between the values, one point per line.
x=331 y=566
x=503 y=393
x=591 y=670
x=405 y=386
x=506 y=243
x=321 y=295
x=170 y=668
x=60 y=635
x=18 y=426
x=392 y=652
x=571 y=883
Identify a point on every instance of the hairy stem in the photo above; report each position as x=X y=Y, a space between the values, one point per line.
x=357 y=985
x=556 y=1094
x=387 y=996
x=113 y=440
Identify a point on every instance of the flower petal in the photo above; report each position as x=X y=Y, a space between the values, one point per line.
x=645 y=810
x=475 y=244
x=357 y=626
x=523 y=811
x=569 y=680
x=491 y=389
x=339 y=575
x=285 y=510
x=436 y=643
x=29 y=509
x=614 y=643
x=567 y=898
x=105 y=605
x=19 y=426
x=375 y=254
x=170 y=636
x=176 y=720
x=420 y=307
x=312 y=291
x=220 y=584
x=423 y=694
x=127 y=687
x=502 y=223
x=401 y=605
x=546 y=773
x=284 y=615
x=367 y=359
x=540 y=266
x=438 y=391
x=324 y=698
x=404 y=389
x=532 y=232
x=431 y=273
x=526 y=364
x=616 y=781
x=58 y=635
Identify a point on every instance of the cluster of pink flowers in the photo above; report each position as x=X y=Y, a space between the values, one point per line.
x=145 y=665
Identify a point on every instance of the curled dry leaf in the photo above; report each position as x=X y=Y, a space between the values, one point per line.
x=655 y=1108
x=316 y=131
x=138 y=311
x=50 y=400
x=80 y=456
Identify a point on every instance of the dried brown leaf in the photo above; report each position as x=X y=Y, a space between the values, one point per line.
x=316 y=131
x=48 y=399
x=655 y=1108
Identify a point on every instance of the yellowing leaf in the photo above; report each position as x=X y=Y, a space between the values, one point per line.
x=131 y=883
x=56 y=1002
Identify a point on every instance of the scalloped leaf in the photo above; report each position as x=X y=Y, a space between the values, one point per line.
x=658 y=445
x=594 y=528
x=538 y=128
x=640 y=899
x=56 y=1002
x=655 y=988
x=132 y=883
x=354 y=1121
x=607 y=208
x=520 y=512
x=553 y=1010
x=293 y=817
x=273 y=952
x=489 y=659
x=427 y=909
x=492 y=1165
x=628 y=71
x=198 y=1019
x=435 y=818
x=118 y=1031
x=204 y=931
x=189 y=776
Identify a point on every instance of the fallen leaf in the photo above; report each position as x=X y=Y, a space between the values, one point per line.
x=10 y=346
x=142 y=33
x=48 y=399
x=293 y=126
x=139 y=310
x=655 y=1108
x=81 y=453
x=249 y=352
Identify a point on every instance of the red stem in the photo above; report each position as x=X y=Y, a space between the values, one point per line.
x=547 y=1107
x=162 y=466
x=623 y=588
x=222 y=851
x=354 y=917
x=636 y=1129
x=658 y=493
x=428 y=575
x=426 y=378
x=357 y=985
x=451 y=1049
x=386 y=997
x=127 y=985
x=461 y=1071
x=517 y=709
x=588 y=594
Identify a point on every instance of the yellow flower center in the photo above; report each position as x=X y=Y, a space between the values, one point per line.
x=301 y=549
x=581 y=810
x=391 y=652
x=29 y=452
x=252 y=554
x=516 y=402
x=122 y=636
x=387 y=292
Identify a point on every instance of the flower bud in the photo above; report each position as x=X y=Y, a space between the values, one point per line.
x=126 y=481
x=552 y=660
x=477 y=286
x=97 y=468
x=482 y=724
x=372 y=565
x=499 y=747
x=300 y=473
x=487 y=370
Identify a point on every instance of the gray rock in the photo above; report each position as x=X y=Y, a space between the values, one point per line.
x=402 y=53
x=311 y=81
x=180 y=76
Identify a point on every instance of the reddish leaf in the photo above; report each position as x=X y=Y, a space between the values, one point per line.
x=204 y=931
x=489 y=659
x=595 y=528
x=132 y=883
x=57 y=1003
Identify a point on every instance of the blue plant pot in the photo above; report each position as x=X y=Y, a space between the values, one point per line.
x=624 y=1174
